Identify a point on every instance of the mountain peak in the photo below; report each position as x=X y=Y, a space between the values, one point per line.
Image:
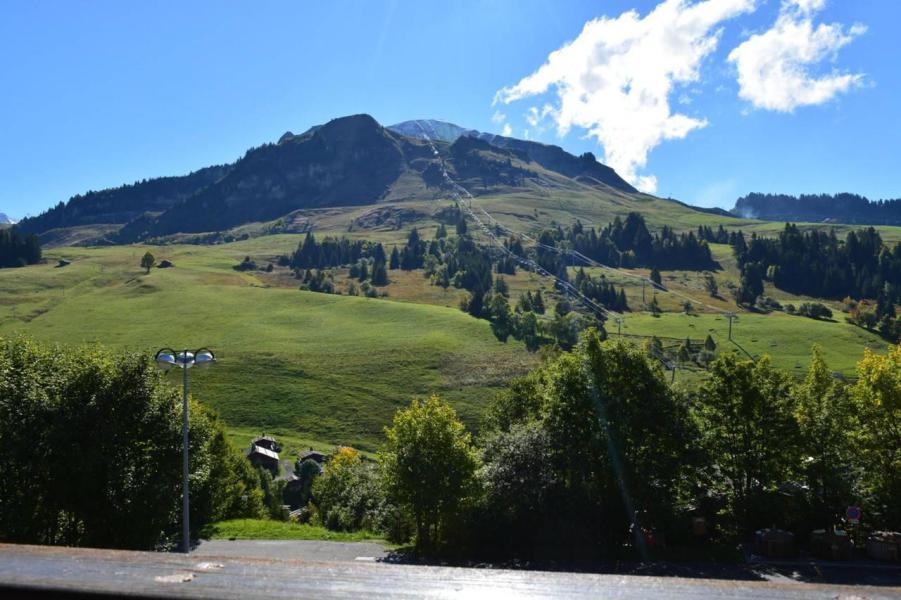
x=432 y=129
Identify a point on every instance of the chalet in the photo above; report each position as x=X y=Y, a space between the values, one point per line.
x=314 y=455
x=263 y=452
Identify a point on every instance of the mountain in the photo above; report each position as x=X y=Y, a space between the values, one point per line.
x=4 y=220
x=349 y=161
x=431 y=129
x=123 y=204
x=838 y=208
x=553 y=158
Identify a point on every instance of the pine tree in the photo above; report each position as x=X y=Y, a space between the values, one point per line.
x=379 y=273
x=538 y=303
x=395 y=259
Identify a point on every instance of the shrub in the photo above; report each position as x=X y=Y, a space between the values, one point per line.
x=247 y=264
x=348 y=493
x=814 y=310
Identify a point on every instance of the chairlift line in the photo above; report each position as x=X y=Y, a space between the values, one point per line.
x=457 y=191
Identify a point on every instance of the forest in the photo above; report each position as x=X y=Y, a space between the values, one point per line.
x=18 y=249
x=816 y=263
x=627 y=243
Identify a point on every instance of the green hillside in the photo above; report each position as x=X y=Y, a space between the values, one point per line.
x=330 y=368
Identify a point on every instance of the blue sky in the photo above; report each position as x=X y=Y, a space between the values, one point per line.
x=100 y=93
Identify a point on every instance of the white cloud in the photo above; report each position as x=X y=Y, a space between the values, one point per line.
x=774 y=66
x=507 y=131
x=498 y=117
x=615 y=78
x=804 y=6
x=535 y=116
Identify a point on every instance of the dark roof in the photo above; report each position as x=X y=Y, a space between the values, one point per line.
x=313 y=454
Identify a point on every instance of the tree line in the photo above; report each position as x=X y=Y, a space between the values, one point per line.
x=816 y=208
x=18 y=249
x=817 y=263
x=625 y=243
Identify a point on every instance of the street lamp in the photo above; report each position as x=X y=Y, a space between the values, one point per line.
x=167 y=358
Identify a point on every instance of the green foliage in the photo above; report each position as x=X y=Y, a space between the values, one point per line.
x=267 y=529
x=248 y=264
x=751 y=285
x=306 y=471
x=814 y=310
x=91 y=451
x=18 y=250
x=148 y=260
x=746 y=410
x=713 y=290
x=876 y=412
x=583 y=447
x=348 y=493
x=273 y=495
x=822 y=411
x=429 y=466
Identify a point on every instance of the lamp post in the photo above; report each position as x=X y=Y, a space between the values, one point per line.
x=167 y=358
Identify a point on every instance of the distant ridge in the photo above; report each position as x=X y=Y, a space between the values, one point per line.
x=818 y=208
x=4 y=220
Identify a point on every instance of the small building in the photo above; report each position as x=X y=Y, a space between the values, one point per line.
x=314 y=455
x=268 y=442
x=263 y=453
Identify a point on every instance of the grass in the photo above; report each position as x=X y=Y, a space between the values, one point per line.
x=787 y=339
x=266 y=529
x=324 y=368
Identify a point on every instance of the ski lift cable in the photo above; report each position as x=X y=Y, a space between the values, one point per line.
x=458 y=191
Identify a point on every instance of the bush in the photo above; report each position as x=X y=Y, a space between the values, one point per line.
x=247 y=264
x=348 y=493
x=767 y=304
x=814 y=310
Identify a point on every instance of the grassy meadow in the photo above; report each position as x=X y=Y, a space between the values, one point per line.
x=268 y=529
x=325 y=368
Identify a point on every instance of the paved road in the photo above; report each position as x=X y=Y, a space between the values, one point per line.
x=293 y=550
x=147 y=574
